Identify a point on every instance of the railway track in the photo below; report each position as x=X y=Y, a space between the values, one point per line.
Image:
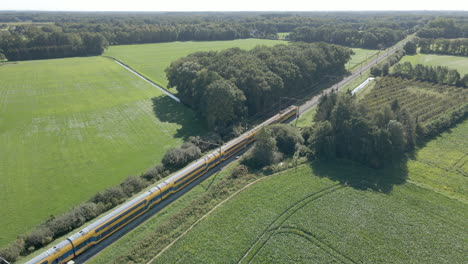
x=93 y=251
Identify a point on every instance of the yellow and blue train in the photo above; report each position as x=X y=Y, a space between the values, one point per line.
x=104 y=227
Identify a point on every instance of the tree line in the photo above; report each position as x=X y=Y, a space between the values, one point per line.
x=444 y=27
x=433 y=74
x=383 y=68
x=229 y=86
x=370 y=38
x=62 y=34
x=31 y=43
x=455 y=47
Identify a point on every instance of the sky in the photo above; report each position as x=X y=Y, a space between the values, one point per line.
x=231 y=5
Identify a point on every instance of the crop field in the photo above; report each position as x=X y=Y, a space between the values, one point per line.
x=305 y=215
x=72 y=127
x=330 y=222
x=454 y=62
x=423 y=100
x=151 y=60
x=442 y=165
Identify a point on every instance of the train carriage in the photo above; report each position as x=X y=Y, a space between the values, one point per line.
x=110 y=223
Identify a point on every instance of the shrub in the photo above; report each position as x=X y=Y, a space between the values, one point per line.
x=207 y=142
x=177 y=158
x=12 y=252
x=155 y=173
x=287 y=138
x=239 y=172
x=89 y=210
x=110 y=197
x=264 y=152
x=38 y=238
x=133 y=185
x=65 y=223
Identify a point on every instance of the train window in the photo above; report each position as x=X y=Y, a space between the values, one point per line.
x=45 y=262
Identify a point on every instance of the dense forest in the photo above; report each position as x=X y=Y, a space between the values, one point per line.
x=443 y=27
x=38 y=35
x=228 y=86
x=370 y=38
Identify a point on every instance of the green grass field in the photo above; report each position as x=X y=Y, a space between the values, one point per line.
x=453 y=62
x=361 y=56
x=72 y=127
x=304 y=215
x=151 y=60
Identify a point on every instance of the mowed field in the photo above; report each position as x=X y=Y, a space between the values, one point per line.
x=72 y=127
x=305 y=215
x=151 y=60
x=454 y=62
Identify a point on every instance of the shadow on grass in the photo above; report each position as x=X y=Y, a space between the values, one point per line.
x=361 y=177
x=168 y=110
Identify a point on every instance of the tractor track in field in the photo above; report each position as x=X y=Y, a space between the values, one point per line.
x=455 y=165
x=203 y=217
x=457 y=170
x=313 y=240
x=277 y=223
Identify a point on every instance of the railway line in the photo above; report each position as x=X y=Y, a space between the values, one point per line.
x=88 y=242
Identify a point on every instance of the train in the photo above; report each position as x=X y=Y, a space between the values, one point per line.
x=94 y=233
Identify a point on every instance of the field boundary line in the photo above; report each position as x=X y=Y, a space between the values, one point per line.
x=130 y=69
x=203 y=217
x=264 y=238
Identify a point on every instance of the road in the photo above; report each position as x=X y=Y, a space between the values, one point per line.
x=93 y=251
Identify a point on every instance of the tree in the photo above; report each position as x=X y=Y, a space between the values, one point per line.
x=397 y=138
x=264 y=152
x=287 y=138
x=410 y=48
x=222 y=103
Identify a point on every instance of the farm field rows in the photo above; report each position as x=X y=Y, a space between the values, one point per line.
x=151 y=60
x=442 y=165
x=454 y=62
x=72 y=127
x=424 y=101
x=304 y=214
